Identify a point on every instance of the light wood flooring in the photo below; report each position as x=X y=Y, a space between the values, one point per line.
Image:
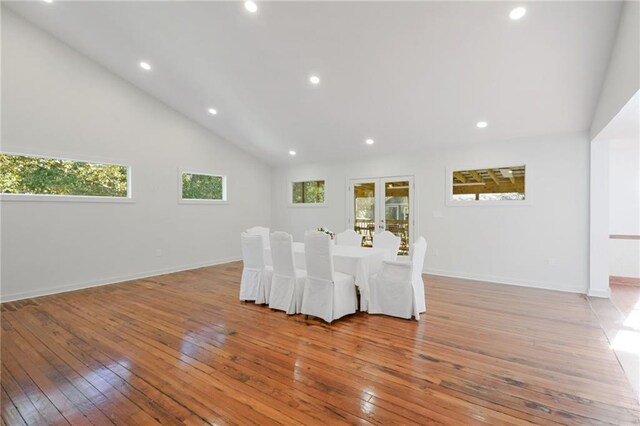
x=181 y=349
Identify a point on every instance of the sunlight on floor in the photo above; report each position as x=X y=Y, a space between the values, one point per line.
x=633 y=320
x=628 y=338
x=627 y=341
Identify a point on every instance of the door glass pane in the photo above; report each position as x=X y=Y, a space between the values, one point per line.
x=396 y=215
x=364 y=196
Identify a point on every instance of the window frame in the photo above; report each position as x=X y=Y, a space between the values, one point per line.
x=450 y=202
x=306 y=205
x=225 y=194
x=73 y=198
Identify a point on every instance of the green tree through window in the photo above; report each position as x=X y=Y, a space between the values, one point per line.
x=311 y=192
x=202 y=187
x=22 y=174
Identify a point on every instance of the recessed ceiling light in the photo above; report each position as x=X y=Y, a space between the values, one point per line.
x=145 y=66
x=212 y=111
x=481 y=124
x=517 y=13
x=48 y=1
x=292 y=153
x=251 y=6
x=369 y=141
x=314 y=79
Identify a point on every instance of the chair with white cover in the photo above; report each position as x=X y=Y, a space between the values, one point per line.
x=327 y=294
x=287 y=284
x=398 y=290
x=260 y=230
x=256 y=277
x=386 y=240
x=264 y=233
x=349 y=238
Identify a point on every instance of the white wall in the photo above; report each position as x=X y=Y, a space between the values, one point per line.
x=624 y=205
x=624 y=258
x=621 y=82
x=599 y=219
x=623 y=74
x=57 y=102
x=544 y=244
x=624 y=187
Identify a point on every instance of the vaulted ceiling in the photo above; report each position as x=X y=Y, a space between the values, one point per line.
x=409 y=75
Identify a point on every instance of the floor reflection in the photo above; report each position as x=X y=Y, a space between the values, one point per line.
x=626 y=335
x=627 y=341
x=190 y=346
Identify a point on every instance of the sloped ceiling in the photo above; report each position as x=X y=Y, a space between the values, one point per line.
x=410 y=75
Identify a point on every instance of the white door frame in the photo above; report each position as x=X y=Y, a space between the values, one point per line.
x=599 y=220
x=380 y=182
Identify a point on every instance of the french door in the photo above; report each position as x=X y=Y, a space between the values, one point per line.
x=379 y=204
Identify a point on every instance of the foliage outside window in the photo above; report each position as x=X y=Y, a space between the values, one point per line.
x=495 y=184
x=30 y=175
x=197 y=186
x=310 y=192
x=365 y=201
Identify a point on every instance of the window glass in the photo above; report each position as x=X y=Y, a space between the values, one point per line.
x=309 y=192
x=30 y=175
x=495 y=184
x=203 y=187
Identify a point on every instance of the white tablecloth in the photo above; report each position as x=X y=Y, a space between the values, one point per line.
x=361 y=262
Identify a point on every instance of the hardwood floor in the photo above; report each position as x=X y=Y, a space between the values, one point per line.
x=618 y=281
x=619 y=317
x=181 y=348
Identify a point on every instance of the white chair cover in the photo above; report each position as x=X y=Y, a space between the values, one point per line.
x=260 y=230
x=327 y=294
x=398 y=290
x=256 y=277
x=287 y=284
x=386 y=240
x=349 y=238
x=417 y=258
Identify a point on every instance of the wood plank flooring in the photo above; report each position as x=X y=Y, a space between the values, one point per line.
x=619 y=317
x=181 y=349
x=618 y=281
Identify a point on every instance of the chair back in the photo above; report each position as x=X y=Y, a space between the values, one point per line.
x=417 y=259
x=386 y=240
x=396 y=271
x=252 y=251
x=317 y=253
x=282 y=254
x=349 y=238
x=260 y=230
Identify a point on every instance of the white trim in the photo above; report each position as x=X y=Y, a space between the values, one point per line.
x=72 y=198
x=64 y=198
x=69 y=157
x=600 y=293
x=306 y=205
x=599 y=221
x=224 y=200
x=506 y=281
x=380 y=212
x=113 y=280
x=199 y=201
x=448 y=192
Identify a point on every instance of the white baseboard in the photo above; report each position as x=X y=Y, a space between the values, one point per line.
x=506 y=281
x=111 y=280
x=147 y=274
x=600 y=293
